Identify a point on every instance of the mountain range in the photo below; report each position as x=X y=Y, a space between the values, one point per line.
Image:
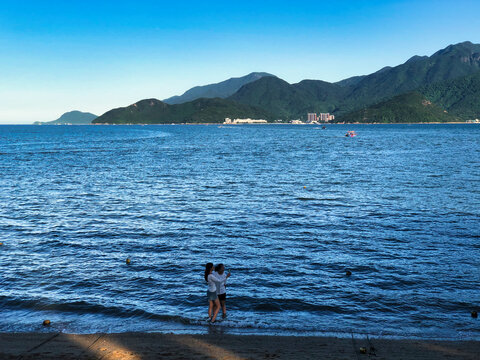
x=221 y=90
x=447 y=81
x=74 y=117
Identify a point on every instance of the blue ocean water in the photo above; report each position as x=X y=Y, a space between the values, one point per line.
x=287 y=209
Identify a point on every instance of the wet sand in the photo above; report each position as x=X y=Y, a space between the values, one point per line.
x=217 y=346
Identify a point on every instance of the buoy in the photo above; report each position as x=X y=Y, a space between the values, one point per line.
x=127 y=261
x=348 y=273
x=46 y=322
x=304 y=187
x=363 y=350
x=1 y=243
x=474 y=314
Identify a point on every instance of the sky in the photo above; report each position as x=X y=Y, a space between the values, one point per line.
x=58 y=56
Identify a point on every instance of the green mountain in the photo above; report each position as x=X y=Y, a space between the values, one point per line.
x=153 y=111
x=461 y=97
x=411 y=107
x=352 y=81
x=417 y=91
x=452 y=62
x=288 y=101
x=221 y=90
x=71 y=118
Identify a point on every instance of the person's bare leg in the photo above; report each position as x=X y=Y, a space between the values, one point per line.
x=210 y=308
x=224 y=307
x=216 y=310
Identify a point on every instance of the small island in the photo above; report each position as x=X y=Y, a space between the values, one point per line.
x=74 y=117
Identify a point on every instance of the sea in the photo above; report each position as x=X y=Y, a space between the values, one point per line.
x=289 y=210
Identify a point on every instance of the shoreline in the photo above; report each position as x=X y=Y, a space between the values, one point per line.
x=228 y=125
x=217 y=345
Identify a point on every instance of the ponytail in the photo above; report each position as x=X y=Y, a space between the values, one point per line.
x=208 y=268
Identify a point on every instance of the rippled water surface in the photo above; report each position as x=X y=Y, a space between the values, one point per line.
x=288 y=209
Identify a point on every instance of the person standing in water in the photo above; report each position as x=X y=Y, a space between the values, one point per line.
x=221 y=288
x=213 y=302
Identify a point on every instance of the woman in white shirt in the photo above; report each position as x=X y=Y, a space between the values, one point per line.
x=221 y=288
x=213 y=302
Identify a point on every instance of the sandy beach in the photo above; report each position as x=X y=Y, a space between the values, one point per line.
x=217 y=346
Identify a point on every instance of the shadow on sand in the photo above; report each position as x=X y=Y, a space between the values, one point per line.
x=215 y=345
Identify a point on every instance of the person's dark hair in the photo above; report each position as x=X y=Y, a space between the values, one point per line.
x=218 y=267
x=208 y=267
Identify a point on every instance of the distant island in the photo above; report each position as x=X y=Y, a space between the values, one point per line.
x=74 y=117
x=443 y=87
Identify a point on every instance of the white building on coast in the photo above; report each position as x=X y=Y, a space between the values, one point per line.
x=312 y=118
x=244 y=121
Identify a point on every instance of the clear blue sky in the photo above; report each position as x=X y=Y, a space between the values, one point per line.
x=92 y=56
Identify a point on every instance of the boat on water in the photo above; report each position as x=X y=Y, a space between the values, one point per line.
x=350 y=133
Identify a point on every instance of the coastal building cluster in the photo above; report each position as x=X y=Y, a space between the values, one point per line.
x=244 y=121
x=322 y=117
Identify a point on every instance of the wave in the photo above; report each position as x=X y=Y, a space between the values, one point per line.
x=84 y=307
